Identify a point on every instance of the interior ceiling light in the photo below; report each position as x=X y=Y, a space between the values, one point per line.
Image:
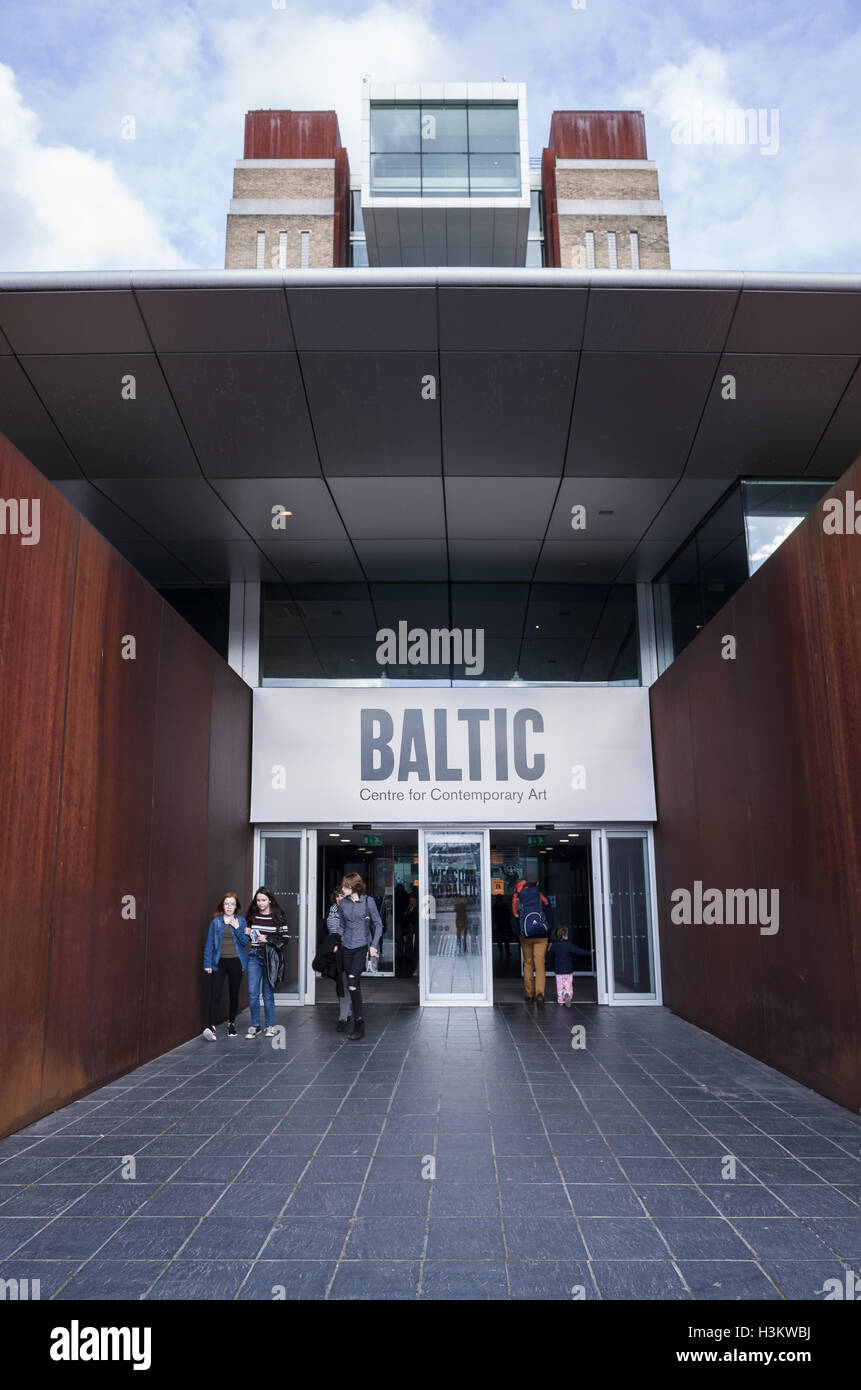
x=282 y=511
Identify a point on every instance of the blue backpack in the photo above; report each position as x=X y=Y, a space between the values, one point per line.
x=532 y=919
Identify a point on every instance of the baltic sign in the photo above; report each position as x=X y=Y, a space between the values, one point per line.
x=445 y=755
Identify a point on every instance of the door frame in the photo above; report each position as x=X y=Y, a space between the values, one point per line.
x=305 y=899
x=604 y=924
x=454 y=1001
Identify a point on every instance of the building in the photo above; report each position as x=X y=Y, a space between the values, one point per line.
x=472 y=542
x=446 y=179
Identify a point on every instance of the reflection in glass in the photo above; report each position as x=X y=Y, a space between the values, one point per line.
x=395 y=128
x=493 y=129
x=630 y=915
x=281 y=860
x=772 y=510
x=445 y=175
x=494 y=175
x=454 y=916
x=443 y=129
x=396 y=174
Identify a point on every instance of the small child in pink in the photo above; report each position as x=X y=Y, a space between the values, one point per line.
x=563 y=964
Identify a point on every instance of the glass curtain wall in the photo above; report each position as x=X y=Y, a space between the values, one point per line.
x=445 y=150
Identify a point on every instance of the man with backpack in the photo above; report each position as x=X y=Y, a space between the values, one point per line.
x=534 y=921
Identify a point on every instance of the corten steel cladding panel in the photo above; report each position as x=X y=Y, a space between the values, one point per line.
x=598 y=134
x=94 y=750
x=178 y=862
x=97 y=954
x=291 y=134
x=36 y=588
x=780 y=766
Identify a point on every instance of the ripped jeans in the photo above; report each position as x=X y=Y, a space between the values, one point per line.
x=354 y=964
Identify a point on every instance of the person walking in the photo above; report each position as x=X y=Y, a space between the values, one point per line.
x=266 y=922
x=225 y=958
x=534 y=920
x=333 y=923
x=563 y=952
x=360 y=928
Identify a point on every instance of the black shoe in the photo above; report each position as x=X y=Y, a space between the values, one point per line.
x=342 y=1023
x=357 y=1031
x=539 y=998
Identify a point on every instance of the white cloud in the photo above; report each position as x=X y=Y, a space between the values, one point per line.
x=65 y=208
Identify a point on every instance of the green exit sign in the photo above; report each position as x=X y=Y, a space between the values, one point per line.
x=373 y=839
x=536 y=840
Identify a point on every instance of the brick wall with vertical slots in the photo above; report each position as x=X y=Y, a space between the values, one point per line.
x=118 y=779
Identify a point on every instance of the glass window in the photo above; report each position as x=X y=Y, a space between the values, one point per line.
x=535 y=252
x=494 y=175
x=443 y=129
x=395 y=129
x=357 y=221
x=772 y=510
x=359 y=253
x=628 y=897
x=536 y=214
x=494 y=129
x=445 y=175
x=462 y=634
x=399 y=175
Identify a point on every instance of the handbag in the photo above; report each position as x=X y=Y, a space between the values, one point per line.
x=372 y=964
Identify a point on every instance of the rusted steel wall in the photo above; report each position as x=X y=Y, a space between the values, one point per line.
x=124 y=798
x=758 y=773
x=598 y=134
x=291 y=134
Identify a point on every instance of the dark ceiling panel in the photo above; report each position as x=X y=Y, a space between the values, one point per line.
x=840 y=445
x=498 y=560
x=369 y=414
x=314 y=515
x=349 y=319
x=24 y=420
x=616 y=508
x=318 y=562
x=72 y=321
x=409 y=508
x=115 y=525
x=177 y=510
x=649 y=320
x=112 y=437
x=224 y=320
x=245 y=413
x=509 y=509
x=636 y=413
x=155 y=563
x=585 y=562
x=229 y=561
x=782 y=407
x=506 y=412
x=496 y=318
x=403 y=561
x=784 y=321
x=685 y=507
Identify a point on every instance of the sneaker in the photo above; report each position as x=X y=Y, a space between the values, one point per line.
x=231 y=1030
x=568 y=1001
x=253 y=1032
x=209 y=1034
x=269 y=1033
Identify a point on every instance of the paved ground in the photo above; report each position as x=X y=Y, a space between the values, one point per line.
x=302 y=1171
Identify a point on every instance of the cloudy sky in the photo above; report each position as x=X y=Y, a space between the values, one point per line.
x=76 y=195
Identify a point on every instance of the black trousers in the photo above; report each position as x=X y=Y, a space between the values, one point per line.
x=232 y=968
x=354 y=964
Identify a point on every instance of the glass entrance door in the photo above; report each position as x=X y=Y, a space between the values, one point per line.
x=454 y=930
x=282 y=867
x=630 y=947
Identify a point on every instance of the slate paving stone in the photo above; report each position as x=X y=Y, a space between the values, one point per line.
x=375 y=1280
x=807 y=1279
x=725 y=1280
x=842 y=1236
x=16 y=1231
x=50 y=1274
x=610 y=1199
x=474 y=1238
x=68 y=1239
x=783 y=1238
x=106 y=1280
x=287 y=1279
x=306 y=1238
x=561 y=1280
x=462 y=1281
x=113 y=1199
x=148 y=1238
x=200 y=1280
x=675 y=1199
x=639 y=1280
x=543 y=1237
x=609 y=1238
x=388 y=1238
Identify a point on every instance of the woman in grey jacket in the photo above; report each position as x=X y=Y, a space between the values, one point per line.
x=360 y=929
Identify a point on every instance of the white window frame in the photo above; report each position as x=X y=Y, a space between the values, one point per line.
x=260 y=263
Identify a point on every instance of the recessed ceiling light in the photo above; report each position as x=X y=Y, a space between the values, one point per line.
x=606 y=511
x=282 y=511
x=333 y=835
